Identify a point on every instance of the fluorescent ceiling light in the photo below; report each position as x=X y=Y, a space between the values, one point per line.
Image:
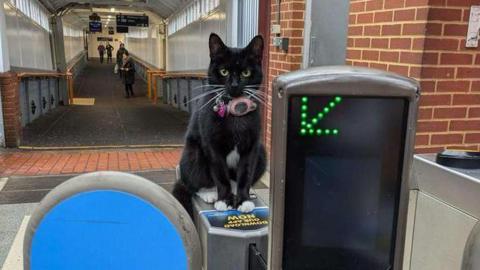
x=112 y=9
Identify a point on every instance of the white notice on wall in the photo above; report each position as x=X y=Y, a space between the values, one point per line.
x=473 y=27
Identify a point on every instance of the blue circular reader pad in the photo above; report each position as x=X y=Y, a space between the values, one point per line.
x=106 y=229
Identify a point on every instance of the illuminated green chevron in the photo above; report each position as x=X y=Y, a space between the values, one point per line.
x=308 y=125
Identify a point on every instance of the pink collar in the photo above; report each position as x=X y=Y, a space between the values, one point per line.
x=236 y=107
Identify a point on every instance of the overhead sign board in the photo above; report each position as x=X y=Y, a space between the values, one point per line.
x=132 y=20
x=95 y=27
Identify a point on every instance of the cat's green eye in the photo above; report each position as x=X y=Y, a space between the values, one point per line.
x=246 y=73
x=224 y=72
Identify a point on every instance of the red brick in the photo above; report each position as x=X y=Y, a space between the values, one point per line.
x=453 y=86
x=362 y=42
x=449 y=113
x=474 y=112
x=413 y=29
x=355 y=30
x=475 y=86
x=466 y=99
x=400 y=43
x=425 y=113
x=427 y=86
x=472 y=138
x=354 y=54
x=374 y=5
x=446 y=139
x=394 y=4
x=456 y=59
x=462 y=3
x=424 y=150
x=356 y=7
x=365 y=18
x=473 y=72
x=378 y=66
x=464 y=125
x=422 y=14
x=389 y=56
x=422 y=139
x=391 y=30
x=445 y=14
x=411 y=57
x=372 y=30
x=441 y=44
x=455 y=30
x=370 y=55
x=435 y=100
x=430 y=58
x=404 y=15
x=416 y=3
x=432 y=126
x=434 y=29
x=381 y=43
x=477 y=59
x=383 y=16
x=437 y=72
x=402 y=70
x=418 y=43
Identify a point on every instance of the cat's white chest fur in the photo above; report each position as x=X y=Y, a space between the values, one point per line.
x=233 y=158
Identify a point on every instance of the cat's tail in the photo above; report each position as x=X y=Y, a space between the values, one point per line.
x=183 y=195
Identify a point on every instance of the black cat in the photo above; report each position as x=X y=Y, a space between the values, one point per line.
x=223 y=152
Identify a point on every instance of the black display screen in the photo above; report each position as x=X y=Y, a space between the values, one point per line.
x=343 y=179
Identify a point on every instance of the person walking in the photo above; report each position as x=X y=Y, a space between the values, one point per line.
x=109 y=52
x=129 y=74
x=120 y=53
x=101 y=51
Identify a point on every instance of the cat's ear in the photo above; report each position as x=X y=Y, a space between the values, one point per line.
x=256 y=47
x=215 y=44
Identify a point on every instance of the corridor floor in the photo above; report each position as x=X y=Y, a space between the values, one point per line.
x=112 y=121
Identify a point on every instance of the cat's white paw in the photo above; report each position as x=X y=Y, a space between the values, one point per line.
x=246 y=207
x=222 y=206
x=208 y=195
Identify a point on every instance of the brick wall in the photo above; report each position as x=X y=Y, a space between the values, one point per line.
x=424 y=39
x=292 y=17
x=11 y=108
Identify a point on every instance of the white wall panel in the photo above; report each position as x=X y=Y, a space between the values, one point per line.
x=73 y=40
x=188 y=47
x=28 y=42
x=146 y=44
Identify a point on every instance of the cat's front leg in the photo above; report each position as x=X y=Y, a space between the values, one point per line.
x=220 y=176
x=250 y=169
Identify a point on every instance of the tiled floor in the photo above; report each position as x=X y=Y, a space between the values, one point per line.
x=26 y=163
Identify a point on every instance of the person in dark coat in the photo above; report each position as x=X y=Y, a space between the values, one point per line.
x=109 y=49
x=128 y=69
x=101 y=51
x=120 y=53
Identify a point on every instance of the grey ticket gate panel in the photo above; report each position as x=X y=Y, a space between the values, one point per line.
x=45 y=94
x=53 y=99
x=34 y=99
x=342 y=147
x=183 y=94
x=230 y=239
x=444 y=224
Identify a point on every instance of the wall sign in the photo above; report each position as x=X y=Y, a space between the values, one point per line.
x=104 y=39
x=132 y=20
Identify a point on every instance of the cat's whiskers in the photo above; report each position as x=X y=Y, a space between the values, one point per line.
x=205 y=94
x=259 y=99
x=219 y=95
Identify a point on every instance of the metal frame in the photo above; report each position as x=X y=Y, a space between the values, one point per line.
x=336 y=80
